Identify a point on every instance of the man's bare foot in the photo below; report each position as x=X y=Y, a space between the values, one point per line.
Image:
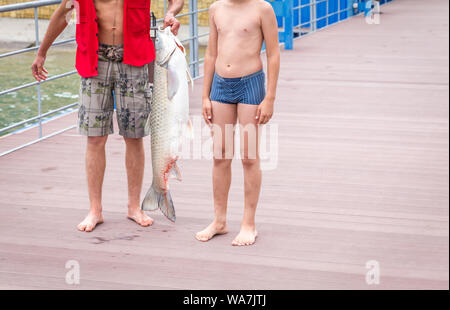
x=90 y=222
x=212 y=230
x=247 y=236
x=140 y=217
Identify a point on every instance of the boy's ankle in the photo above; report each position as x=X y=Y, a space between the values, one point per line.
x=248 y=225
x=220 y=223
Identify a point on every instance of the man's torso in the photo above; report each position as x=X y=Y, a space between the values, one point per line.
x=110 y=21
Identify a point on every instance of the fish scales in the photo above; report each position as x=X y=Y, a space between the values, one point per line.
x=169 y=120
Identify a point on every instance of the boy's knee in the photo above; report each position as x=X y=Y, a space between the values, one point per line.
x=250 y=163
x=224 y=153
x=220 y=162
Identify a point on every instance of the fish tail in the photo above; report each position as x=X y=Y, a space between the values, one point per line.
x=151 y=200
x=155 y=200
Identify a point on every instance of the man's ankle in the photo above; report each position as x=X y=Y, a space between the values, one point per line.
x=134 y=207
x=95 y=210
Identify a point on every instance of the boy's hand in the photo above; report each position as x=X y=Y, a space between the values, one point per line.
x=38 y=70
x=207 y=110
x=172 y=22
x=265 y=111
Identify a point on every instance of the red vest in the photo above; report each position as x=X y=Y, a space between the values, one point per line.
x=138 y=48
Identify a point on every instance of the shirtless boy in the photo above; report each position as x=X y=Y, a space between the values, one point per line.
x=234 y=90
x=113 y=53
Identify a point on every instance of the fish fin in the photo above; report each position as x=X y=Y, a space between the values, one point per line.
x=180 y=45
x=175 y=172
x=173 y=82
x=166 y=206
x=151 y=200
x=159 y=200
x=190 y=80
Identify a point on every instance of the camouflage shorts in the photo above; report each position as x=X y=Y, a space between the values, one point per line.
x=126 y=85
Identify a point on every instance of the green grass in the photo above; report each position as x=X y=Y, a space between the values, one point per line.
x=15 y=71
x=21 y=105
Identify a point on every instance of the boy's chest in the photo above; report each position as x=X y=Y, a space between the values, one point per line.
x=237 y=24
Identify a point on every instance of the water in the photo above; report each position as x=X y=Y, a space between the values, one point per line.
x=15 y=71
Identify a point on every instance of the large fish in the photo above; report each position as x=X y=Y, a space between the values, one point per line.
x=169 y=119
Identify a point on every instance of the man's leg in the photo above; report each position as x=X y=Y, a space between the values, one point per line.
x=135 y=163
x=223 y=119
x=95 y=171
x=252 y=172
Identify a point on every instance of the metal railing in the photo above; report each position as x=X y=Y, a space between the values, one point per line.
x=194 y=64
x=293 y=16
x=40 y=117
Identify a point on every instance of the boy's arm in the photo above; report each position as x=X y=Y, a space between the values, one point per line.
x=209 y=66
x=175 y=6
x=58 y=23
x=270 y=33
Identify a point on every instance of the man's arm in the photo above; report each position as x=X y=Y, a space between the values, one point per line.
x=175 y=6
x=209 y=66
x=57 y=24
x=270 y=33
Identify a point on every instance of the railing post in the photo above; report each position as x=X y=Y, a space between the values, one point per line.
x=339 y=11
x=313 y=16
x=288 y=24
x=193 y=33
x=36 y=30
x=350 y=7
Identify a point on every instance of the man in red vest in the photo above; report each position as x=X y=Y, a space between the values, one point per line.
x=114 y=49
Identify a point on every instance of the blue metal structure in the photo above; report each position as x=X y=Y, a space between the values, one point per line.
x=299 y=17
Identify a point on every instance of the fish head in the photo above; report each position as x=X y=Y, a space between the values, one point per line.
x=164 y=45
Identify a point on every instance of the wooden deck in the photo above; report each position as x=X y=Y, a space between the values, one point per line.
x=362 y=175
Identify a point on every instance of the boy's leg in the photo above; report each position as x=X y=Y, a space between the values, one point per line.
x=223 y=118
x=135 y=163
x=252 y=172
x=95 y=171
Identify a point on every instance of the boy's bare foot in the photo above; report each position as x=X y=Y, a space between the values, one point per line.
x=247 y=236
x=90 y=222
x=140 y=217
x=212 y=230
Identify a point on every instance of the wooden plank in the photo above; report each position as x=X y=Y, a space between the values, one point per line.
x=362 y=115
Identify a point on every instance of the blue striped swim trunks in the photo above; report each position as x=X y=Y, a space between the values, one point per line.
x=249 y=89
